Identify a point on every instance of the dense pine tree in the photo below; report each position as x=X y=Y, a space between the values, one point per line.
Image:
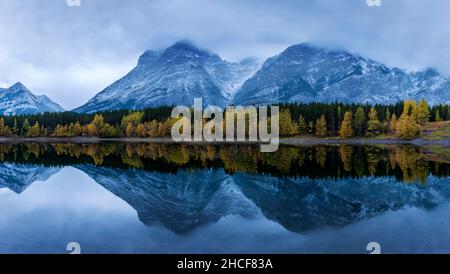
x=438 y=116
x=360 y=121
x=321 y=127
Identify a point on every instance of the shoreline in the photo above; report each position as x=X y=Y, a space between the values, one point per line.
x=284 y=141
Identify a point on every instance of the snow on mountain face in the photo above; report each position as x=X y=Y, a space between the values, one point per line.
x=175 y=76
x=303 y=73
x=18 y=100
x=230 y=76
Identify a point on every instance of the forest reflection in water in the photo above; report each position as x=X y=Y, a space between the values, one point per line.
x=406 y=163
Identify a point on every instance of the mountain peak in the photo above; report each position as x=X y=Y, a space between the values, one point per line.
x=184 y=45
x=18 y=86
x=186 y=49
x=304 y=46
x=174 y=76
x=431 y=72
x=19 y=100
x=311 y=49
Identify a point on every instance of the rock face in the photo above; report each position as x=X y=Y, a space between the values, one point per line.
x=174 y=76
x=305 y=73
x=18 y=100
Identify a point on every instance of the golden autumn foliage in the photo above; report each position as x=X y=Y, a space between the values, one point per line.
x=346 y=130
x=373 y=124
x=321 y=127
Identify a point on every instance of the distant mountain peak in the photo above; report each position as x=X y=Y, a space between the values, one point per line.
x=18 y=100
x=431 y=72
x=17 y=86
x=186 y=49
x=183 y=45
x=182 y=51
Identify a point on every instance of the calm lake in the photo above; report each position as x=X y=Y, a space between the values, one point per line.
x=161 y=198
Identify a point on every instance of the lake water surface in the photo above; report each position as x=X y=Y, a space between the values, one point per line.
x=160 y=198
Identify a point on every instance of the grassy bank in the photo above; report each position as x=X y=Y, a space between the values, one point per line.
x=437 y=130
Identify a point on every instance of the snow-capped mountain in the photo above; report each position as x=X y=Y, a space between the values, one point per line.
x=18 y=100
x=301 y=73
x=304 y=73
x=174 y=76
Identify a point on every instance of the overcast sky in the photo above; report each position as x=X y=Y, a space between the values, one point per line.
x=72 y=53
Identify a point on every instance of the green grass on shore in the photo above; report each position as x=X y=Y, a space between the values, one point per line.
x=437 y=131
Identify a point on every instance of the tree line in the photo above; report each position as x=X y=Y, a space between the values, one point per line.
x=404 y=119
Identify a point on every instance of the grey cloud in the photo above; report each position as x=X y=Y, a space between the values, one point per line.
x=70 y=54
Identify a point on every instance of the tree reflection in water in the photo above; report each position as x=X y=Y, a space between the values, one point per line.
x=406 y=163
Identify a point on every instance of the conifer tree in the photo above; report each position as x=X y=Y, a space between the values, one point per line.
x=2 y=127
x=302 y=127
x=359 y=121
x=311 y=127
x=423 y=113
x=98 y=121
x=373 y=124
x=140 y=130
x=129 y=131
x=438 y=116
x=393 y=123
x=346 y=130
x=287 y=126
x=407 y=126
x=77 y=129
x=321 y=127
x=25 y=126
x=34 y=131
x=15 y=129
x=388 y=116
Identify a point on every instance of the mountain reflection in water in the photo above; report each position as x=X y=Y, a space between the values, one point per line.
x=186 y=188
